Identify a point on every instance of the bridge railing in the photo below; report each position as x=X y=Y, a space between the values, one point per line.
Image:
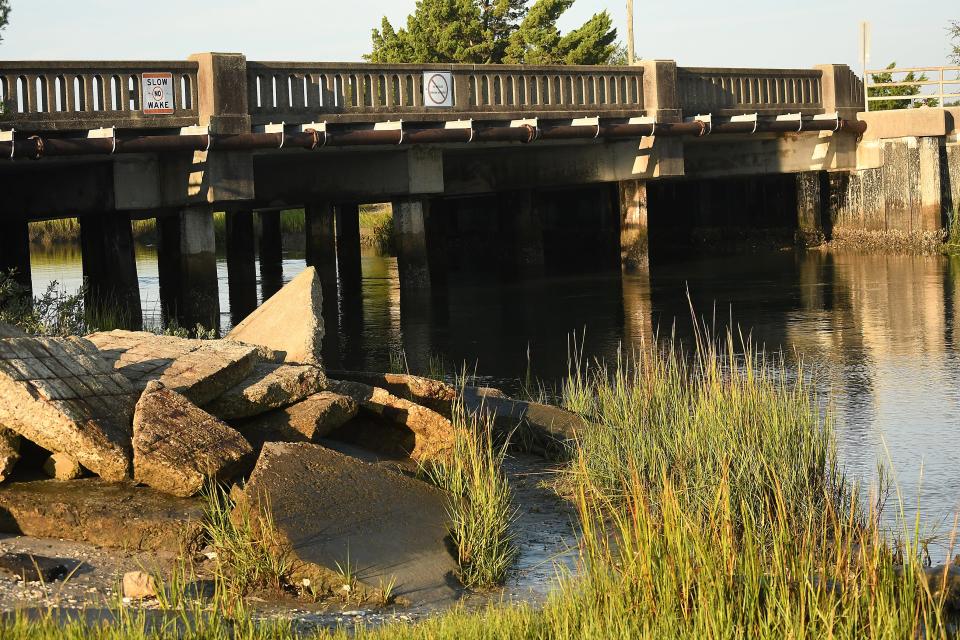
x=300 y=92
x=931 y=86
x=735 y=91
x=62 y=95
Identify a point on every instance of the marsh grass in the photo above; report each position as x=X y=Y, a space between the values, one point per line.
x=376 y=228
x=481 y=509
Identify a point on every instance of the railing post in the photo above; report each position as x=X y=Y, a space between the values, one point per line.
x=661 y=95
x=841 y=90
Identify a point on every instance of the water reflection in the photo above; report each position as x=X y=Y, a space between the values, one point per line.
x=879 y=331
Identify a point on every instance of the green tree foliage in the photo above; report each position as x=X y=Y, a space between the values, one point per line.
x=954 y=30
x=4 y=15
x=904 y=102
x=494 y=32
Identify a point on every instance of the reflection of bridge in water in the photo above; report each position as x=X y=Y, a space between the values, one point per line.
x=514 y=168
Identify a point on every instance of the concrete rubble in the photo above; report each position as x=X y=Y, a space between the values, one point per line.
x=178 y=447
x=290 y=323
x=430 y=435
x=331 y=509
x=307 y=421
x=9 y=451
x=269 y=386
x=430 y=393
x=60 y=466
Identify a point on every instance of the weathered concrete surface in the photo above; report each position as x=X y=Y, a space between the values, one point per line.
x=290 y=322
x=61 y=466
x=178 y=447
x=432 y=394
x=270 y=386
x=201 y=370
x=11 y=331
x=305 y=421
x=333 y=509
x=106 y=514
x=9 y=451
x=60 y=394
x=431 y=434
x=540 y=428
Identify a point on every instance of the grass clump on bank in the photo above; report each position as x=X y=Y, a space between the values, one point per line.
x=481 y=506
x=376 y=228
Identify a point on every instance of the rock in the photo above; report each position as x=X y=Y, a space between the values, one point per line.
x=944 y=582
x=290 y=322
x=431 y=434
x=60 y=394
x=11 y=331
x=270 y=386
x=60 y=466
x=201 y=370
x=432 y=394
x=178 y=447
x=487 y=392
x=539 y=428
x=9 y=451
x=106 y=514
x=306 y=421
x=329 y=508
x=32 y=568
x=139 y=585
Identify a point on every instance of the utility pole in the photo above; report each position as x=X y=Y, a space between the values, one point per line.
x=631 y=51
x=865 y=60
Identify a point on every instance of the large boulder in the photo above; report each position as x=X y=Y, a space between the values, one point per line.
x=430 y=393
x=333 y=512
x=178 y=447
x=290 y=323
x=270 y=386
x=202 y=370
x=430 y=435
x=60 y=394
x=536 y=427
x=306 y=421
x=9 y=451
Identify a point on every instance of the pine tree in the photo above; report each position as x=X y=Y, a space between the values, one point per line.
x=896 y=102
x=494 y=31
x=4 y=15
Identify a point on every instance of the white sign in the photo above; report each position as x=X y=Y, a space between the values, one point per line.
x=437 y=89
x=158 y=93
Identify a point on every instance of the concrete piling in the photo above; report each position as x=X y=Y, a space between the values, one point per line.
x=15 y=252
x=634 y=244
x=321 y=250
x=348 y=249
x=110 y=271
x=416 y=236
x=241 y=264
x=270 y=252
x=189 y=291
x=809 y=208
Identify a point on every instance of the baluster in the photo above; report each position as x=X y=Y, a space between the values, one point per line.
x=295 y=96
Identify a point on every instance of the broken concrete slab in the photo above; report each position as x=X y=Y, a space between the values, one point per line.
x=433 y=394
x=60 y=394
x=107 y=514
x=306 y=421
x=178 y=447
x=535 y=427
x=32 y=568
x=60 y=466
x=201 y=370
x=331 y=509
x=290 y=323
x=9 y=451
x=270 y=386
x=432 y=434
x=11 y=331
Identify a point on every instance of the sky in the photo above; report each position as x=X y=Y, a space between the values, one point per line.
x=736 y=33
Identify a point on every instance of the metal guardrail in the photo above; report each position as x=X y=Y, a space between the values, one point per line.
x=61 y=95
x=300 y=92
x=943 y=77
x=735 y=91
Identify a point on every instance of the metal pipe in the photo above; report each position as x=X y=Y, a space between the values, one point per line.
x=38 y=147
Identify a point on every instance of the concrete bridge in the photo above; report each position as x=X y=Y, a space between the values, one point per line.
x=514 y=167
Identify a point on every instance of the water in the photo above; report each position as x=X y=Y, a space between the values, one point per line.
x=878 y=331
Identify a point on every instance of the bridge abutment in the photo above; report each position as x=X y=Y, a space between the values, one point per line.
x=15 y=252
x=241 y=264
x=110 y=271
x=189 y=290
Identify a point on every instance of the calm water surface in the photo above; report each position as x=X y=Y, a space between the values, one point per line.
x=878 y=331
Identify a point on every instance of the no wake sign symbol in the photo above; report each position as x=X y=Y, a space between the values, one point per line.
x=437 y=89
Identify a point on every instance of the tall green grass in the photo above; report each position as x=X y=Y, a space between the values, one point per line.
x=376 y=228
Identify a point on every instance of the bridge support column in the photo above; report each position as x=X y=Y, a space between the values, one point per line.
x=189 y=290
x=634 y=242
x=418 y=256
x=271 y=252
x=15 y=252
x=241 y=264
x=348 y=250
x=321 y=250
x=522 y=217
x=110 y=271
x=809 y=208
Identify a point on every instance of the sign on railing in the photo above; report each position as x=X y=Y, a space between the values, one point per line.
x=904 y=88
